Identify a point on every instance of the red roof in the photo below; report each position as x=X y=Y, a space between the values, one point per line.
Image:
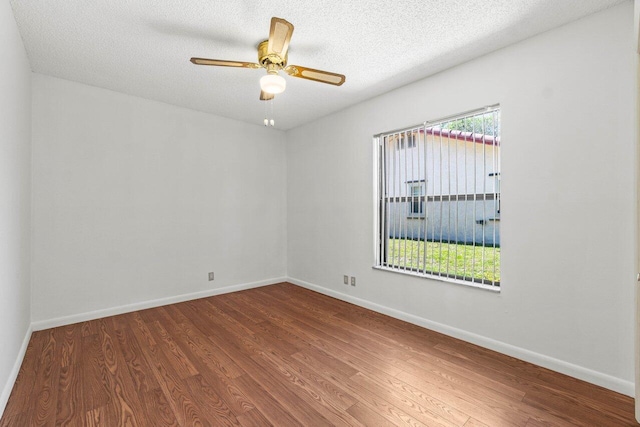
x=463 y=136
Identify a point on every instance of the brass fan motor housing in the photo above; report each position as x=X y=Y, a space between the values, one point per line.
x=264 y=58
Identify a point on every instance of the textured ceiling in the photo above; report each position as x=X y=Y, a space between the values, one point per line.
x=142 y=47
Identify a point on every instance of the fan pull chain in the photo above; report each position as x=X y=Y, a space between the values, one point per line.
x=268 y=112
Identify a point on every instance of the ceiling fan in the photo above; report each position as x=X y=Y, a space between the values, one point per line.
x=272 y=55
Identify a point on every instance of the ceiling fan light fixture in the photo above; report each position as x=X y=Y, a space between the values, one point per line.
x=273 y=83
x=272 y=56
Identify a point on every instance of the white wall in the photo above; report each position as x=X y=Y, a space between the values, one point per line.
x=15 y=199
x=568 y=200
x=636 y=24
x=135 y=201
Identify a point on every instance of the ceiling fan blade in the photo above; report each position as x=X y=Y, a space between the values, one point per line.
x=264 y=96
x=315 y=75
x=222 y=63
x=279 y=37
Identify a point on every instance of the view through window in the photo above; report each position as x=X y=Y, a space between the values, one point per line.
x=439 y=199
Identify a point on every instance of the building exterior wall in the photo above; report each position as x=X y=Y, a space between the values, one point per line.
x=469 y=222
x=443 y=168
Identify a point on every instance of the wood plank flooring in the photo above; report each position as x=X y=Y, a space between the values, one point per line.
x=282 y=355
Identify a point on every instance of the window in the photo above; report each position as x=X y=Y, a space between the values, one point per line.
x=406 y=140
x=438 y=199
x=416 y=204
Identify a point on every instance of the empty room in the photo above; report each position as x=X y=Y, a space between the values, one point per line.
x=286 y=213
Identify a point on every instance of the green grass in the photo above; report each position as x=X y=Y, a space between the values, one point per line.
x=465 y=261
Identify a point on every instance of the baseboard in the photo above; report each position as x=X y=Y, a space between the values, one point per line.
x=97 y=314
x=13 y=375
x=580 y=372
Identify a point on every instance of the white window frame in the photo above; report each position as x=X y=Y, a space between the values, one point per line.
x=411 y=211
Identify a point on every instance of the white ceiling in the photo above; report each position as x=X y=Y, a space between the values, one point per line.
x=142 y=47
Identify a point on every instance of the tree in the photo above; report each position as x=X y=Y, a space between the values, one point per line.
x=488 y=124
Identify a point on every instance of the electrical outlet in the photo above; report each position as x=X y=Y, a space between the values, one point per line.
x=211 y=276
x=346 y=280
x=353 y=280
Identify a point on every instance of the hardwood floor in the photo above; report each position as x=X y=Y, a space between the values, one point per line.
x=284 y=356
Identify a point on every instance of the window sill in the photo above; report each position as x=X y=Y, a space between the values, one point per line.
x=476 y=285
